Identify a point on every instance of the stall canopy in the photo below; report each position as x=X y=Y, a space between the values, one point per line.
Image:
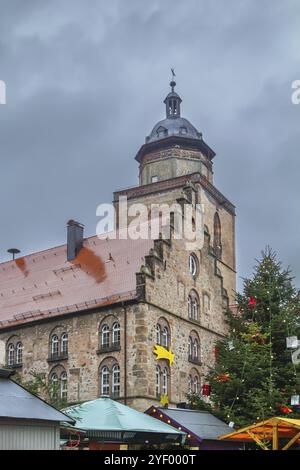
x=272 y=434
x=110 y=421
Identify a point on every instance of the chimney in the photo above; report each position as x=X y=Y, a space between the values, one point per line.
x=74 y=239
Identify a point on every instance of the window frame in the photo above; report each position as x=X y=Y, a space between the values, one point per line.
x=116 y=383
x=11 y=354
x=116 y=332
x=19 y=353
x=105 y=372
x=105 y=333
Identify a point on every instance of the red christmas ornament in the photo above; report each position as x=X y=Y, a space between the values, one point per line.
x=206 y=388
x=252 y=302
x=285 y=409
x=223 y=378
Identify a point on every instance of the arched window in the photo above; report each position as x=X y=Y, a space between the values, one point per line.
x=165 y=337
x=190 y=384
x=116 y=380
x=105 y=380
x=11 y=354
x=196 y=384
x=165 y=381
x=105 y=336
x=158 y=333
x=19 y=352
x=193 y=264
x=116 y=334
x=54 y=345
x=157 y=380
x=195 y=349
x=193 y=306
x=64 y=343
x=217 y=236
x=54 y=385
x=190 y=345
x=64 y=386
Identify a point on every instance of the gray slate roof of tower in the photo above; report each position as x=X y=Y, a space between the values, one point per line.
x=18 y=403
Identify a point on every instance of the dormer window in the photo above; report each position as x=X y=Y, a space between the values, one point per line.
x=162 y=132
x=183 y=130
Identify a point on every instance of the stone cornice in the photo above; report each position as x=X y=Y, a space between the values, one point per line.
x=174 y=183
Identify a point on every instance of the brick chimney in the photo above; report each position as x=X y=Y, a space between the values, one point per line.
x=74 y=239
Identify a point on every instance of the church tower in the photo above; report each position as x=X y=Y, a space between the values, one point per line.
x=174 y=147
x=176 y=165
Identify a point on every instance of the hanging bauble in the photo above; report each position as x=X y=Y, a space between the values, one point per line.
x=285 y=409
x=230 y=345
x=251 y=302
x=206 y=389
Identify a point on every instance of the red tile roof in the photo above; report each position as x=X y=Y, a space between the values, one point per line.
x=45 y=283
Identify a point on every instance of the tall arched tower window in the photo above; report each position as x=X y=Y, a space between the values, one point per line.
x=217 y=236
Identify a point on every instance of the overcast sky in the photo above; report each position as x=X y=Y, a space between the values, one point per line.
x=85 y=83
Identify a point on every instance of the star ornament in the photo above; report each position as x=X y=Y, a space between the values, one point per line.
x=163 y=353
x=164 y=400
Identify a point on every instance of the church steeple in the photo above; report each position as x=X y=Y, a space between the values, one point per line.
x=172 y=102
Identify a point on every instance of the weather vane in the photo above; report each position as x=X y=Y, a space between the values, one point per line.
x=173 y=73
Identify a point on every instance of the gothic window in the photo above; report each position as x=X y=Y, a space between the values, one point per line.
x=110 y=377
x=194 y=382
x=19 y=352
x=109 y=334
x=157 y=380
x=193 y=265
x=116 y=335
x=54 y=345
x=162 y=332
x=165 y=381
x=190 y=347
x=217 y=236
x=64 y=386
x=54 y=385
x=64 y=343
x=162 y=379
x=165 y=337
x=14 y=352
x=59 y=384
x=190 y=384
x=194 y=347
x=11 y=354
x=193 y=306
x=158 y=333
x=116 y=380
x=105 y=380
x=105 y=336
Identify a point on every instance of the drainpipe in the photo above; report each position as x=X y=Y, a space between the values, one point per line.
x=125 y=354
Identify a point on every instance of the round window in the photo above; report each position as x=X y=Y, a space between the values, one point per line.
x=193 y=265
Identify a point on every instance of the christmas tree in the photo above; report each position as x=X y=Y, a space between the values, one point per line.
x=255 y=374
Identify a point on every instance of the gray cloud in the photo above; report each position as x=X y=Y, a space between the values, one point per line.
x=85 y=81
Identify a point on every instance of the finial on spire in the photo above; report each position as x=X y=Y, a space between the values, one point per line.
x=173 y=83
